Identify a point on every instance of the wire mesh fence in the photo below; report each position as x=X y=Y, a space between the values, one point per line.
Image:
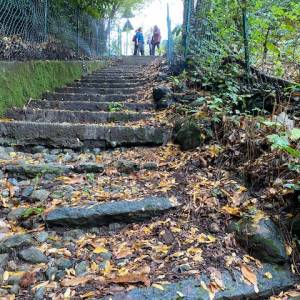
x=43 y=29
x=258 y=43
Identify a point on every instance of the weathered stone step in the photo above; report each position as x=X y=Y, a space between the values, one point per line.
x=101 y=91
x=90 y=106
x=31 y=171
x=111 y=212
x=67 y=116
x=104 y=85
x=233 y=286
x=108 y=81
x=89 y=97
x=79 y=135
x=114 y=77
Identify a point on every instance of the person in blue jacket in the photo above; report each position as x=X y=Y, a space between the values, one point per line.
x=140 y=42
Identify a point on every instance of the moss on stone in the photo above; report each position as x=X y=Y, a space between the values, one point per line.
x=20 y=81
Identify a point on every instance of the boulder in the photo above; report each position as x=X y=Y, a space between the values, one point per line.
x=127 y=166
x=33 y=255
x=4 y=260
x=188 y=135
x=162 y=96
x=15 y=242
x=110 y=212
x=262 y=237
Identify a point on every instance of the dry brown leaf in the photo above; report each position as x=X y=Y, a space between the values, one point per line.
x=73 y=282
x=249 y=276
x=27 y=280
x=132 y=278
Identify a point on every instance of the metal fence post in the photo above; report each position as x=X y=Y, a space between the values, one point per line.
x=246 y=38
x=46 y=20
x=170 y=37
x=188 y=28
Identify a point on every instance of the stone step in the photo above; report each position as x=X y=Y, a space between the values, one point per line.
x=108 y=81
x=67 y=116
x=111 y=212
x=90 y=106
x=89 y=97
x=78 y=136
x=114 y=77
x=104 y=85
x=100 y=91
x=233 y=286
x=31 y=171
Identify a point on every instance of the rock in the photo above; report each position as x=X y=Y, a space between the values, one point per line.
x=4 y=260
x=33 y=255
x=42 y=237
x=197 y=103
x=13 y=181
x=50 y=158
x=73 y=235
x=1 y=175
x=27 y=192
x=106 y=256
x=64 y=263
x=127 y=166
x=4 y=226
x=40 y=195
x=115 y=226
x=262 y=237
x=15 y=289
x=188 y=135
x=296 y=225
x=14 y=279
x=60 y=275
x=40 y=293
x=51 y=272
x=5 y=193
x=182 y=268
x=3 y=154
x=16 y=214
x=234 y=285
x=67 y=157
x=89 y=168
x=3 y=292
x=15 y=242
x=151 y=166
x=162 y=96
x=81 y=268
x=38 y=149
x=110 y=212
x=214 y=228
x=97 y=151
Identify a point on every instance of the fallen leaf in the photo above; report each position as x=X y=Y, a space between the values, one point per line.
x=27 y=279
x=88 y=295
x=158 y=286
x=99 y=250
x=73 y=282
x=132 y=278
x=268 y=275
x=250 y=276
x=233 y=211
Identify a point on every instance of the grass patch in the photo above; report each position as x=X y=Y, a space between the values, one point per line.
x=20 y=81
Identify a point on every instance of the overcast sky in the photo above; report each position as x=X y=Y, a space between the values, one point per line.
x=155 y=13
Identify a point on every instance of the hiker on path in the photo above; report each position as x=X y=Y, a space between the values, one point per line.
x=149 y=41
x=156 y=39
x=140 y=42
x=135 y=43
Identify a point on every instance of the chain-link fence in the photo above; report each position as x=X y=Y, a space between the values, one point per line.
x=44 y=29
x=258 y=40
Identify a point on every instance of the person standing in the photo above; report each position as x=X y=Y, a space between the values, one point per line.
x=134 y=40
x=149 y=41
x=156 y=39
x=140 y=42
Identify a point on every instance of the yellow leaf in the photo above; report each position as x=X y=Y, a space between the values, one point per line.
x=234 y=211
x=67 y=294
x=268 y=275
x=206 y=239
x=94 y=267
x=289 y=250
x=87 y=295
x=99 y=250
x=158 y=286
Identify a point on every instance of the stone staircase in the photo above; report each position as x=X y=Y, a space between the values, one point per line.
x=105 y=109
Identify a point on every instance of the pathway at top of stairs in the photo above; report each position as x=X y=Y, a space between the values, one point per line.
x=106 y=109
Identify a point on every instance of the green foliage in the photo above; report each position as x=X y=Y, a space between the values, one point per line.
x=29 y=212
x=20 y=81
x=115 y=107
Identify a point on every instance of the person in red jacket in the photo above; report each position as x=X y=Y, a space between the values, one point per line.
x=156 y=39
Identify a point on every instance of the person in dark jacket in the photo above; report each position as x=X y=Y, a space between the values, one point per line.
x=140 y=42
x=135 y=44
x=156 y=39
